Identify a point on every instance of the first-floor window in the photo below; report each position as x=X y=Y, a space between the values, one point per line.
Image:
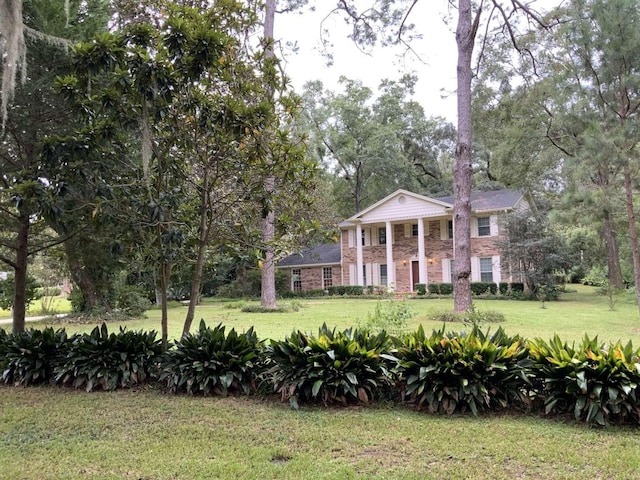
x=327 y=277
x=486 y=270
x=383 y=275
x=296 y=280
x=452 y=270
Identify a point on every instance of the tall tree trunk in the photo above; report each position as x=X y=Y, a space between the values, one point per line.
x=20 y=272
x=268 y=290
x=80 y=277
x=633 y=233
x=611 y=248
x=164 y=322
x=203 y=236
x=462 y=173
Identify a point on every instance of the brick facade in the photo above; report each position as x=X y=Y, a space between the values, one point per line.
x=400 y=215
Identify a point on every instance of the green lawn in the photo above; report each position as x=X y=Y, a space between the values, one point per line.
x=578 y=312
x=58 y=433
x=54 y=433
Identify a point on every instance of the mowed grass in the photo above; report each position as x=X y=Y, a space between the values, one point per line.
x=53 y=433
x=579 y=311
x=59 y=433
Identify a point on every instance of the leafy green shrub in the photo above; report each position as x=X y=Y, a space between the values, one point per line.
x=334 y=367
x=48 y=291
x=390 y=316
x=318 y=292
x=76 y=299
x=483 y=288
x=514 y=288
x=31 y=356
x=456 y=372
x=109 y=361
x=211 y=362
x=441 y=288
x=471 y=316
x=346 y=290
x=596 y=384
x=132 y=300
x=420 y=288
x=4 y=337
x=8 y=287
x=261 y=309
x=235 y=305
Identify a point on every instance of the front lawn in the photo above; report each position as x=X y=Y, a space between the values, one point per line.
x=578 y=312
x=55 y=433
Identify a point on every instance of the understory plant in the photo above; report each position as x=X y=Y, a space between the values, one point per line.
x=334 y=367
x=391 y=316
x=472 y=371
x=212 y=362
x=594 y=383
x=30 y=356
x=107 y=361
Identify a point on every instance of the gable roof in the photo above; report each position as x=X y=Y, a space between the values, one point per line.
x=403 y=204
x=491 y=200
x=325 y=254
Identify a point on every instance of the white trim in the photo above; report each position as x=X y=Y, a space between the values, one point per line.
x=475 y=269
x=497 y=269
x=493 y=225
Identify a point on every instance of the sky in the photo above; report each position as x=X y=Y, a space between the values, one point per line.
x=434 y=60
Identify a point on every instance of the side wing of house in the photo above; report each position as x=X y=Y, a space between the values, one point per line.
x=316 y=268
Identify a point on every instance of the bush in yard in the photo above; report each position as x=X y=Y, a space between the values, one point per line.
x=596 y=384
x=390 y=316
x=342 y=367
x=211 y=362
x=109 y=361
x=452 y=372
x=31 y=356
x=441 y=288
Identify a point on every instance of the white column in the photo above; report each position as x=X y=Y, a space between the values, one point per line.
x=359 y=263
x=422 y=261
x=391 y=271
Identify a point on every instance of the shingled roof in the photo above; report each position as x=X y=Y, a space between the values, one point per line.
x=490 y=200
x=325 y=254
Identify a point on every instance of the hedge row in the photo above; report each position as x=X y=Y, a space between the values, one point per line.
x=477 y=288
x=440 y=372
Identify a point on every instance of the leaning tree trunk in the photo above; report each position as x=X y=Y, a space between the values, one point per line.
x=268 y=289
x=203 y=236
x=20 y=270
x=462 y=174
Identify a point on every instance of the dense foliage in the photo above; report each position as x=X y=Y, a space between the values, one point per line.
x=458 y=372
x=341 y=367
x=591 y=382
x=107 y=361
x=29 y=357
x=212 y=362
x=442 y=372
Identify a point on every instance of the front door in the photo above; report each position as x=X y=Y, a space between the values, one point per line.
x=415 y=274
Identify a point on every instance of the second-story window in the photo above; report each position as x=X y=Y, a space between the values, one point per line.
x=484 y=227
x=382 y=236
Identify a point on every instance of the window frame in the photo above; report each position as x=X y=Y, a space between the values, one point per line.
x=486 y=275
x=327 y=280
x=382 y=235
x=384 y=279
x=296 y=279
x=484 y=230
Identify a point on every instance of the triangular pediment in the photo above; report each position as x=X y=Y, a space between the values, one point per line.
x=402 y=205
